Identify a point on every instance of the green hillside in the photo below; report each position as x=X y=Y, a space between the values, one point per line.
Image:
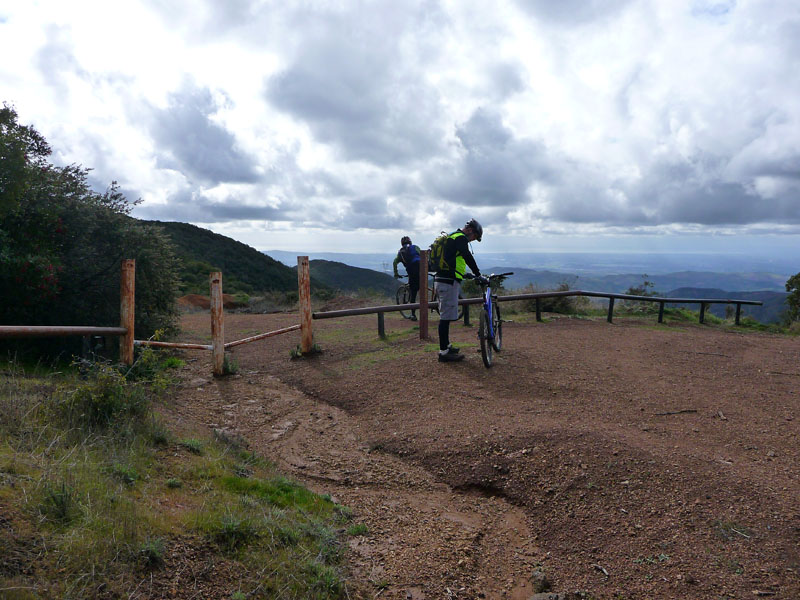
x=244 y=269
x=352 y=279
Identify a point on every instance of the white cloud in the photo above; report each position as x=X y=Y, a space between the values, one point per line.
x=361 y=120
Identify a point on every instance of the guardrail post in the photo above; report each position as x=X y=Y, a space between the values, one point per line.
x=702 y=312
x=127 y=302
x=538 y=310
x=660 y=312
x=466 y=315
x=381 y=327
x=423 y=294
x=217 y=324
x=610 y=309
x=304 y=295
x=738 y=311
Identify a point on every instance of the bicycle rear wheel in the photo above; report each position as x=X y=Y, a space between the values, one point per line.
x=402 y=297
x=486 y=342
x=433 y=303
x=497 y=327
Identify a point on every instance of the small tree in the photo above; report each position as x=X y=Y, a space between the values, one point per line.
x=793 y=299
x=646 y=288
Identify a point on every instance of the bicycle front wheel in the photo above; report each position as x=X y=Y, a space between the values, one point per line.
x=402 y=297
x=497 y=327
x=485 y=339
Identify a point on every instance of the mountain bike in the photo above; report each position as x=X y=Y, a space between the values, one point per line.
x=403 y=296
x=490 y=326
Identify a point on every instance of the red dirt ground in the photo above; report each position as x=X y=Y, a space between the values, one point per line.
x=626 y=460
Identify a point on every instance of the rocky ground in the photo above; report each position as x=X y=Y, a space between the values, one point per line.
x=625 y=460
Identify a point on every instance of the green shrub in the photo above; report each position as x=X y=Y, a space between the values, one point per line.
x=104 y=399
x=58 y=503
x=193 y=445
x=152 y=552
x=61 y=244
x=565 y=305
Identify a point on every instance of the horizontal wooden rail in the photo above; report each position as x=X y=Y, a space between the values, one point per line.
x=182 y=345
x=261 y=336
x=368 y=310
x=16 y=331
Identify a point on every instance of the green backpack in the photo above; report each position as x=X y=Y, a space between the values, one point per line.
x=436 y=261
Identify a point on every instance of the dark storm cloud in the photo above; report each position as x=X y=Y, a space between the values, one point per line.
x=374 y=213
x=496 y=168
x=670 y=192
x=191 y=142
x=355 y=85
x=572 y=12
x=193 y=206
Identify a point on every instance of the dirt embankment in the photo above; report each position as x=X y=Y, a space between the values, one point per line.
x=627 y=460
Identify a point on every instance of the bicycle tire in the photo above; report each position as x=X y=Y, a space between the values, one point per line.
x=483 y=336
x=402 y=298
x=433 y=303
x=497 y=327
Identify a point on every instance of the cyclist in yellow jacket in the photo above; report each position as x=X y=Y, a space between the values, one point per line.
x=447 y=282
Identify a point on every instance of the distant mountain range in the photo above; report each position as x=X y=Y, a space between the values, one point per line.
x=592 y=264
x=245 y=269
x=745 y=282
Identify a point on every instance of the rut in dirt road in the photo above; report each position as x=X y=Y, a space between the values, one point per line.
x=667 y=455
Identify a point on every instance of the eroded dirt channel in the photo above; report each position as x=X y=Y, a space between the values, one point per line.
x=627 y=460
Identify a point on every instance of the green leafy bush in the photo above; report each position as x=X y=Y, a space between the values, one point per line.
x=61 y=245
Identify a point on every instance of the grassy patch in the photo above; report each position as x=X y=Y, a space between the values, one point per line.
x=101 y=491
x=357 y=529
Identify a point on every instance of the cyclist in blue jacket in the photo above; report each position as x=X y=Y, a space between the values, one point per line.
x=447 y=282
x=409 y=256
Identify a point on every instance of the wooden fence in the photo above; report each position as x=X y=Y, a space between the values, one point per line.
x=218 y=345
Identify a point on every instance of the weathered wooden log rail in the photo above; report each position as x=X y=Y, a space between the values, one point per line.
x=538 y=297
x=218 y=345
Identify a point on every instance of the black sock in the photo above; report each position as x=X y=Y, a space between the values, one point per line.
x=444 y=334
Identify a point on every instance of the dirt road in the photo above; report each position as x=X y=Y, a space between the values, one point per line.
x=629 y=460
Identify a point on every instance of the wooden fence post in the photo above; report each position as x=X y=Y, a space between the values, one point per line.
x=217 y=324
x=423 y=294
x=702 y=312
x=738 y=311
x=660 y=312
x=610 y=309
x=127 y=303
x=304 y=296
x=538 y=310
x=381 y=326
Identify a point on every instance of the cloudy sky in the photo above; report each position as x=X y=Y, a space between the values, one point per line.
x=338 y=126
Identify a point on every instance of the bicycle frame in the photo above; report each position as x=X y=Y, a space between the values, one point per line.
x=487 y=306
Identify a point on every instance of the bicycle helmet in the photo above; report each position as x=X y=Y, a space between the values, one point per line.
x=405 y=240
x=476 y=228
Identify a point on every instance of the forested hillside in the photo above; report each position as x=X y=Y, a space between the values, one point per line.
x=352 y=279
x=244 y=269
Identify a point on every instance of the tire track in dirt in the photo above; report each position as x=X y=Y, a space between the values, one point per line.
x=425 y=540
